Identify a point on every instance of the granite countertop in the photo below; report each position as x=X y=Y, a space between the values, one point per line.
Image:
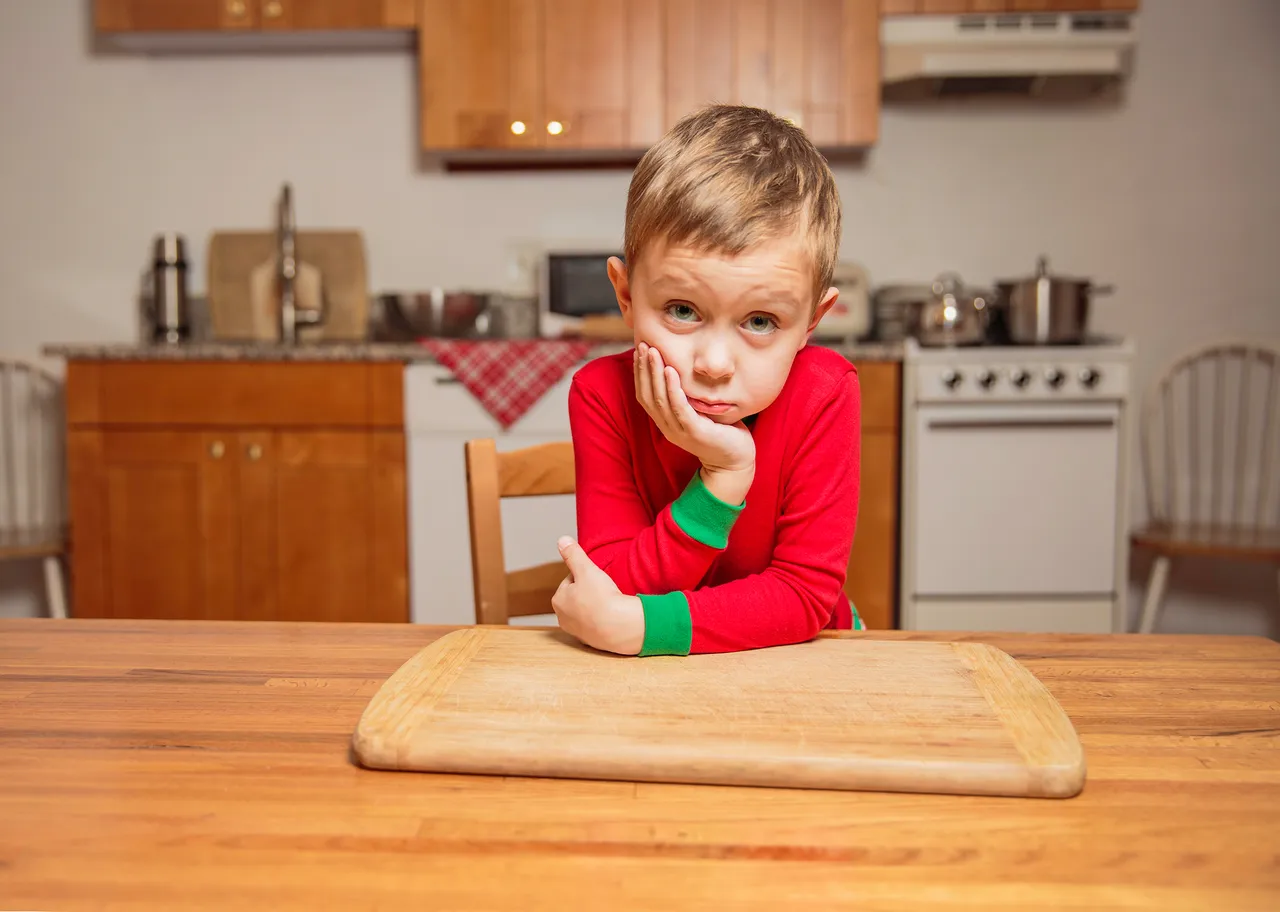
x=350 y=351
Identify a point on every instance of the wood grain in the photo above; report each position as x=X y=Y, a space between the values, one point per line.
x=205 y=766
x=830 y=714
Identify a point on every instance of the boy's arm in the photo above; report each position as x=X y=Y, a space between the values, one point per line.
x=672 y=552
x=791 y=600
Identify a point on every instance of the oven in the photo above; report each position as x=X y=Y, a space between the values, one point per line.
x=1013 y=490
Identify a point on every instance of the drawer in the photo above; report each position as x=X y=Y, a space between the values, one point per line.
x=235 y=394
x=880 y=383
x=435 y=402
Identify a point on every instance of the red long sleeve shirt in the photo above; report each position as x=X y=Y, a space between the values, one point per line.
x=715 y=577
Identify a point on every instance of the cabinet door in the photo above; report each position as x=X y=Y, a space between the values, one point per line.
x=480 y=73
x=174 y=15
x=337 y=14
x=602 y=65
x=815 y=62
x=872 y=581
x=323 y=526
x=154 y=520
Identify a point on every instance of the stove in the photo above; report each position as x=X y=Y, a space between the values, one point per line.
x=1014 y=490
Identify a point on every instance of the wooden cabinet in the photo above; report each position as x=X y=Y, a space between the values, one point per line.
x=251 y=491
x=939 y=7
x=872 y=583
x=540 y=74
x=217 y=15
x=613 y=75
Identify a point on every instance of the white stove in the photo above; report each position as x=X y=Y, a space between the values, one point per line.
x=1014 y=491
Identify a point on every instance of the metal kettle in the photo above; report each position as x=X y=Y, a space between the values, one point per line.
x=952 y=314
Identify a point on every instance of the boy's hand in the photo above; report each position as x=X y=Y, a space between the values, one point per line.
x=591 y=608
x=727 y=451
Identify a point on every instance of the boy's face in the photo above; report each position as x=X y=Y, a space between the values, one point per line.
x=730 y=326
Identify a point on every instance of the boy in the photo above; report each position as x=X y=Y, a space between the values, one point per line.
x=717 y=462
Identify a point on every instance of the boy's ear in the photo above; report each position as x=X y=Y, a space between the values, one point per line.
x=823 y=306
x=621 y=287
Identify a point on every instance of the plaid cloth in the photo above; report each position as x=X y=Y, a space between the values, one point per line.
x=508 y=377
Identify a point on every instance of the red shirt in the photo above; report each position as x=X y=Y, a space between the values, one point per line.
x=780 y=577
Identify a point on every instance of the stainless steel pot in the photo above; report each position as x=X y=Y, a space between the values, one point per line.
x=1046 y=309
x=945 y=313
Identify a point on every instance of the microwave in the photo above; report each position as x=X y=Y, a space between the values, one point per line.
x=576 y=284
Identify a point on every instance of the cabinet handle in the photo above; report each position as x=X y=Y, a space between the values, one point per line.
x=216 y=449
x=235 y=8
x=555 y=128
x=254 y=452
x=272 y=9
x=517 y=127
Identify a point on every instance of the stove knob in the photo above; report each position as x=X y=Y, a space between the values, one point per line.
x=951 y=379
x=1090 y=376
x=987 y=379
x=1020 y=377
x=1055 y=377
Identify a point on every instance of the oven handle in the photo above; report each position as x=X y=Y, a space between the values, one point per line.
x=1019 y=424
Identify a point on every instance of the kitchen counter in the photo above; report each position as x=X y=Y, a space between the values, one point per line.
x=206 y=765
x=349 y=351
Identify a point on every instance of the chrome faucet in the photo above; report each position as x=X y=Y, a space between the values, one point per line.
x=291 y=316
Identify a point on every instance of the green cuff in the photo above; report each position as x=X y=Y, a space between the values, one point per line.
x=702 y=516
x=668 y=629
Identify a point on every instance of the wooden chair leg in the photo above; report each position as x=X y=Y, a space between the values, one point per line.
x=1155 y=594
x=54 y=591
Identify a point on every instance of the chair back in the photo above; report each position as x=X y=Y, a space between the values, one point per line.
x=32 y=492
x=534 y=471
x=1209 y=439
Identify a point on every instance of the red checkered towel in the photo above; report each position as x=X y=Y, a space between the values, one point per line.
x=508 y=377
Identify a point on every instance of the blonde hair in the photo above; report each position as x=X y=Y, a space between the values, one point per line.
x=728 y=177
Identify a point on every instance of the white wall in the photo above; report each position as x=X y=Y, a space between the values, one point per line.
x=1173 y=195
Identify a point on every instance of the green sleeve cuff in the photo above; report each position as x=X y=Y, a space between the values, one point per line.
x=668 y=629
x=702 y=516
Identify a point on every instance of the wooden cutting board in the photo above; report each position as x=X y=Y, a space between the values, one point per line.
x=331 y=263
x=834 y=713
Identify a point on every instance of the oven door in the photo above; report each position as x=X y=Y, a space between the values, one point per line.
x=1016 y=499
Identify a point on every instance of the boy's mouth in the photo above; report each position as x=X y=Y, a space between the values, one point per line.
x=709 y=408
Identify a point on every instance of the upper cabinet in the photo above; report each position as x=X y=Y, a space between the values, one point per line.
x=613 y=75
x=220 y=15
x=944 y=7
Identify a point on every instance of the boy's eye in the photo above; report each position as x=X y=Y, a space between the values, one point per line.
x=682 y=313
x=760 y=323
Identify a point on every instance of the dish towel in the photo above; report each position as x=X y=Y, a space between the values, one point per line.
x=508 y=376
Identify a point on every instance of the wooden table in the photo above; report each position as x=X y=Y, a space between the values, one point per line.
x=188 y=764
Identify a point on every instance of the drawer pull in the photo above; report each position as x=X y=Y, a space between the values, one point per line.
x=254 y=452
x=216 y=449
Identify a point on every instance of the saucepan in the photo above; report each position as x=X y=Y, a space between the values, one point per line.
x=1046 y=309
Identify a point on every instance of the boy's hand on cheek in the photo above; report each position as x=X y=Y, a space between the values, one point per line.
x=727 y=451
x=591 y=608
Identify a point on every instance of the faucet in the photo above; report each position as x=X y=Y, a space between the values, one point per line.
x=291 y=316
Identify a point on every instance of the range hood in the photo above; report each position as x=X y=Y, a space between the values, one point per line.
x=1030 y=55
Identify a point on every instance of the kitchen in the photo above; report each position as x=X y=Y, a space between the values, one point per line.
x=1168 y=194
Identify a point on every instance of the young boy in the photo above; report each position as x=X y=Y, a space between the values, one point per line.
x=717 y=462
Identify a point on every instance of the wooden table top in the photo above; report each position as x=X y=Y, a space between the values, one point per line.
x=186 y=764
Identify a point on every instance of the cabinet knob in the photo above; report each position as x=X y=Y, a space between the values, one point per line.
x=216 y=449
x=235 y=8
x=555 y=128
x=272 y=9
x=518 y=127
x=254 y=452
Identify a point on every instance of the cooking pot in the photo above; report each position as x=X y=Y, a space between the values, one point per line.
x=944 y=313
x=1046 y=309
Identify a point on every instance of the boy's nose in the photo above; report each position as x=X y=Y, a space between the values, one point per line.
x=713 y=361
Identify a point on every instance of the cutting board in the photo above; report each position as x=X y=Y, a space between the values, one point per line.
x=833 y=713
x=331 y=263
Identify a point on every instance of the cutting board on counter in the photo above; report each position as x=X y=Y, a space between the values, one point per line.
x=243 y=304
x=833 y=713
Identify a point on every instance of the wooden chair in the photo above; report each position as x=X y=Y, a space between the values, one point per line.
x=32 y=502
x=545 y=469
x=1211 y=462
